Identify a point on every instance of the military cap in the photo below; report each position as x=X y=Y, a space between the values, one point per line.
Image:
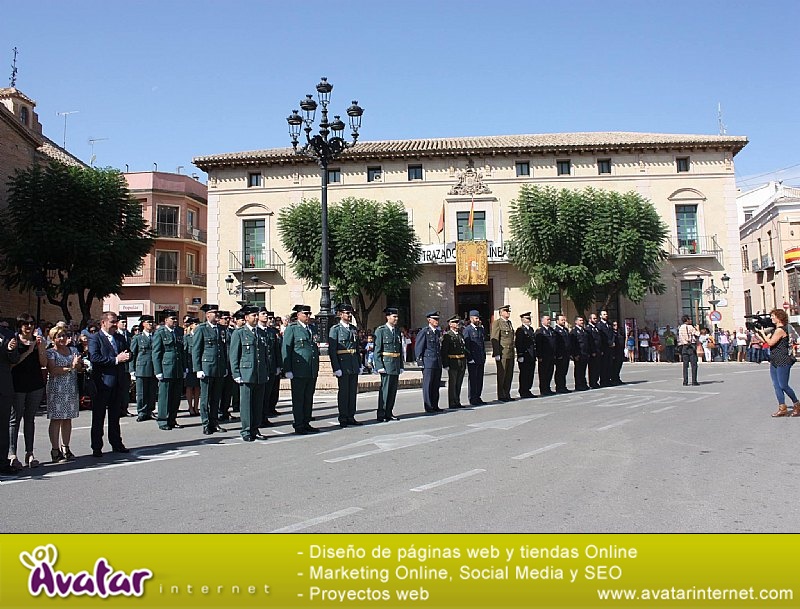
x=302 y=308
x=432 y=315
x=170 y=313
x=224 y=313
x=293 y=316
x=262 y=310
x=525 y=315
x=249 y=310
x=209 y=307
x=146 y=318
x=238 y=314
x=454 y=319
x=193 y=320
x=345 y=307
x=390 y=311
x=270 y=313
x=505 y=308
x=474 y=313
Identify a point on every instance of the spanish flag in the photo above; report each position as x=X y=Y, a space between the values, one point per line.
x=440 y=228
x=472 y=214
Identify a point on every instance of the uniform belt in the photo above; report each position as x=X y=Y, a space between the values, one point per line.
x=386 y=354
x=456 y=356
x=345 y=351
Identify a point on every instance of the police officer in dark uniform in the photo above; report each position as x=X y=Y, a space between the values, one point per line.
x=619 y=354
x=596 y=355
x=428 y=351
x=388 y=363
x=210 y=362
x=580 y=349
x=272 y=389
x=546 y=355
x=141 y=369
x=454 y=358
x=525 y=344
x=301 y=366
x=168 y=367
x=608 y=334
x=475 y=341
x=249 y=356
x=343 y=351
x=230 y=390
x=561 y=354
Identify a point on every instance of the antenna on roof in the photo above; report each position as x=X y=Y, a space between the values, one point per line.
x=65 y=115
x=92 y=140
x=722 y=129
x=13 y=80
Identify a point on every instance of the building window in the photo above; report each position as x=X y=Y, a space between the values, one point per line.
x=748 y=303
x=523 y=168
x=23 y=115
x=564 y=167
x=191 y=219
x=414 y=172
x=551 y=306
x=682 y=163
x=478 y=232
x=253 y=179
x=166 y=267
x=686 y=220
x=745 y=259
x=603 y=166
x=191 y=264
x=691 y=300
x=167 y=221
x=373 y=174
x=254 y=242
x=334 y=176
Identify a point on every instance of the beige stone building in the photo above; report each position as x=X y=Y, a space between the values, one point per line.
x=770 y=248
x=689 y=178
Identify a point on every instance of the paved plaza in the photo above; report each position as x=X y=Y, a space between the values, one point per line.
x=649 y=456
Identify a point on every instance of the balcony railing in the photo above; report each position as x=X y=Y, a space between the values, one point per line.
x=267 y=260
x=166 y=276
x=767 y=262
x=702 y=246
x=755 y=265
x=196 y=279
x=174 y=230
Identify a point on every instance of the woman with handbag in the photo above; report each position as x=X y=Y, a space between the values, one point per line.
x=780 y=362
x=63 y=365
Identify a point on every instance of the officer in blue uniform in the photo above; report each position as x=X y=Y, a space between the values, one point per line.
x=428 y=351
x=475 y=341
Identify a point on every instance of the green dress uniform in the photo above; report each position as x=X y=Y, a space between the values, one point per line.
x=389 y=358
x=503 y=352
x=343 y=350
x=168 y=361
x=301 y=359
x=454 y=358
x=250 y=365
x=272 y=390
x=210 y=356
x=141 y=366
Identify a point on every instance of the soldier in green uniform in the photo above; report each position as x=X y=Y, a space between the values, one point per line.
x=503 y=353
x=168 y=367
x=210 y=362
x=301 y=367
x=343 y=349
x=141 y=368
x=250 y=364
x=454 y=358
x=388 y=363
x=273 y=338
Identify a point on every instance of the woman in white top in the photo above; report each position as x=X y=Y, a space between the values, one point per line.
x=704 y=339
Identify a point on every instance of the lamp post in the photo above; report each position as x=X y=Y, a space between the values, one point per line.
x=713 y=291
x=241 y=289
x=323 y=149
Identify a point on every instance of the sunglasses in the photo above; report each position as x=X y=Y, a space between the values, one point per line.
x=26 y=323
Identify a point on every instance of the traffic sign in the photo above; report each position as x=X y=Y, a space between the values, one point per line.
x=715 y=316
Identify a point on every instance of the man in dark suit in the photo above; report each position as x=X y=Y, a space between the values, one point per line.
x=608 y=334
x=525 y=344
x=546 y=355
x=168 y=366
x=230 y=390
x=475 y=342
x=428 y=351
x=596 y=355
x=141 y=368
x=125 y=345
x=8 y=356
x=109 y=372
x=580 y=350
x=561 y=354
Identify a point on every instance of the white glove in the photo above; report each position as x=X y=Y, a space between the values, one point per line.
x=472 y=361
x=382 y=371
x=337 y=373
x=497 y=358
x=520 y=359
x=401 y=371
x=238 y=380
x=289 y=375
x=160 y=377
x=133 y=376
x=277 y=370
x=186 y=371
x=201 y=375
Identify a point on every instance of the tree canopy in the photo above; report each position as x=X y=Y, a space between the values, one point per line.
x=589 y=244
x=372 y=249
x=71 y=231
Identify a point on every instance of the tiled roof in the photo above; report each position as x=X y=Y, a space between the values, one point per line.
x=52 y=150
x=502 y=144
x=11 y=92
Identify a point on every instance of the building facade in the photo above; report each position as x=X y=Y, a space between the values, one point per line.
x=689 y=179
x=770 y=249
x=173 y=275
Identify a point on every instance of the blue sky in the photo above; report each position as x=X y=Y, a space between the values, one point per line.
x=166 y=81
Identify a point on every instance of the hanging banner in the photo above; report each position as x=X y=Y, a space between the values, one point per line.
x=472 y=263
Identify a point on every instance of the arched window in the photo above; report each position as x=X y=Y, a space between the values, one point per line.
x=23 y=115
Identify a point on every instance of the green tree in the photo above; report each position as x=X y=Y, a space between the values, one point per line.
x=586 y=243
x=78 y=227
x=372 y=249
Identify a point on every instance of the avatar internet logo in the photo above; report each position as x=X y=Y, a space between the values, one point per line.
x=102 y=582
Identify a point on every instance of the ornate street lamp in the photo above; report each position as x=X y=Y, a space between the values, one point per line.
x=323 y=147
x=242 y=290
x=713 y=291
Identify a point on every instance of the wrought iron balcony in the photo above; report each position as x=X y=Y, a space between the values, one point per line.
x=196 y=279
x=767 y=262
x=174 y=230
x=700 y=246
x=755 y=265
x=257 y=260
x=149 y=275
